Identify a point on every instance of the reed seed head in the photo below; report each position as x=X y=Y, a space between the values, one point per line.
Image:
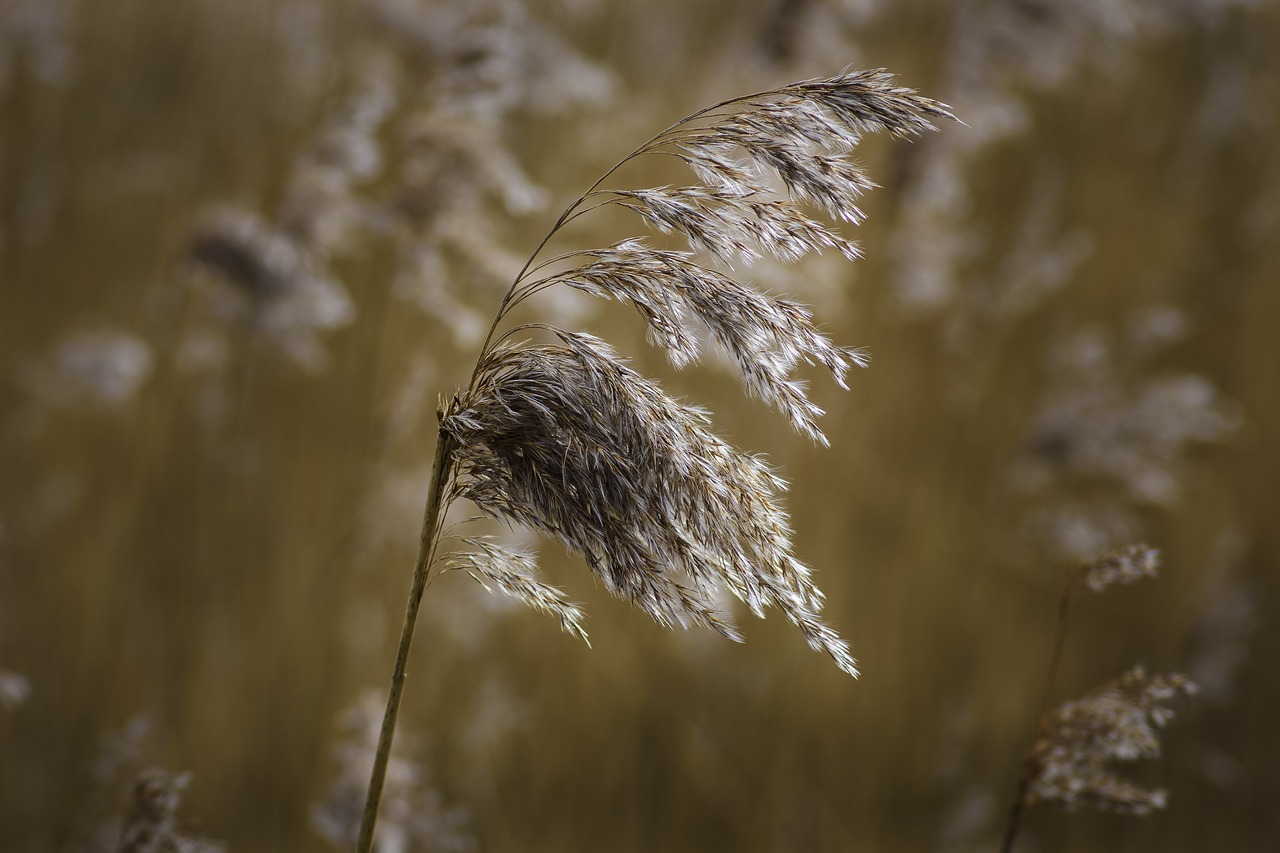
x=1122 y=567
x=150 y=823
x=1069 y=764
x=515 y=573
x=567 y=439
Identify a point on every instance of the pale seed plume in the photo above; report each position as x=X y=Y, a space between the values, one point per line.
x=1121 y=567
x=1070 y=764
x=515 y=573
x=565 y=438
x=570 y=441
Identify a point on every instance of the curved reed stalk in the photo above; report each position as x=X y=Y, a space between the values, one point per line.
x=565 y=438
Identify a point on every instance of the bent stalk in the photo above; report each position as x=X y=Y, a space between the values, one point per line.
x=564 y=438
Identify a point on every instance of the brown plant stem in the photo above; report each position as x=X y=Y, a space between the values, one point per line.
x=440 y=471
x=1024 y=779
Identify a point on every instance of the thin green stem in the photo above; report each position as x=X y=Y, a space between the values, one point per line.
x=440 y=472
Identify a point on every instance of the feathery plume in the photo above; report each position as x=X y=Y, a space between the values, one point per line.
x=14 y=690
x=516 y=574
x=1121 y=567
x=103 y=370
x=151 y=823
x=767 y=337
x=1119 y=722
x=570 y=441
x=565 y=438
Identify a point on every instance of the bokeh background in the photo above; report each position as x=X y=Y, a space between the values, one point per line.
x=245 y=244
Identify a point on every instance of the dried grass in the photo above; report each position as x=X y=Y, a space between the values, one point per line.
x=566 y=438
x=569 y=440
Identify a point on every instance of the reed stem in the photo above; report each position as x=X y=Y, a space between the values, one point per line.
x=1059 y=641
x=426 y=546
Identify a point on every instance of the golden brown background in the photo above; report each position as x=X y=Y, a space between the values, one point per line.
x=209 y=497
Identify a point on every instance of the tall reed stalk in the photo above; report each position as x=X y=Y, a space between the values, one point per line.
x=565 y=438
x=426 y=547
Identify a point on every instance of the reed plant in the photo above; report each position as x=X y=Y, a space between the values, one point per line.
x=556 y=432
x=1076 y=744
x=1062 y=360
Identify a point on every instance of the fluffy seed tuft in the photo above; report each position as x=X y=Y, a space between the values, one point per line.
x=1121 y=567
x=516 y=574
x=1119 y=722
x=568 y=440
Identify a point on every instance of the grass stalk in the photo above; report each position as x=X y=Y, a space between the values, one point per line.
x=440 y=471
x=564 y=438
x=1025 y=776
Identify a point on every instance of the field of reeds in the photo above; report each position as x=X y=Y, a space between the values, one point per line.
x=249 y=249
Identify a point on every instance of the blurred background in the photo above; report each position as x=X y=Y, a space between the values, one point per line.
x=246 y=244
